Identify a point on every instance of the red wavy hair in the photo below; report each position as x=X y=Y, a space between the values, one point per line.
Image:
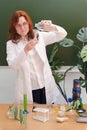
x=13 y=35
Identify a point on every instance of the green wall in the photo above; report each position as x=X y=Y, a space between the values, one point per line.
x=71 y=14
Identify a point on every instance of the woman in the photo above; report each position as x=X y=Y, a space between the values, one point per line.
x=26 y=53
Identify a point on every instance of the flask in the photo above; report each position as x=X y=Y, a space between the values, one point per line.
x=39 y=26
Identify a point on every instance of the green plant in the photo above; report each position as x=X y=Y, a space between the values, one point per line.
x=82 y=54
x=76 y=105
x=56 y=64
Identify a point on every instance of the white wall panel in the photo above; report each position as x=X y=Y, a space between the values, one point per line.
x=8 y=82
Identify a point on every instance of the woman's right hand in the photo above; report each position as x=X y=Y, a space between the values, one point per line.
x=30 y=45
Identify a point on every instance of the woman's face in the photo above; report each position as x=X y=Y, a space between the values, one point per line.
x=22 y=27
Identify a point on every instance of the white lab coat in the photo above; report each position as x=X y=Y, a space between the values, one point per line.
x=18 y=60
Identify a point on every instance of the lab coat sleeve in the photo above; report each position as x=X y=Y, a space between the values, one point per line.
x=54 y=36
x=14 y=60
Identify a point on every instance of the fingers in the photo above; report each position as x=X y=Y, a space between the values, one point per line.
x=46 y=22
x=30 y=45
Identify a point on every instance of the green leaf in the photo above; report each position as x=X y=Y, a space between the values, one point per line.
x=83 y=53
x=66 y=42
x=53 y=52
x=82 y=34
x=56 y=64
x=76 y=104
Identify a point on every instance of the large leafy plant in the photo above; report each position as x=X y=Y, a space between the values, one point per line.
x=82 y=54
x=56 y=64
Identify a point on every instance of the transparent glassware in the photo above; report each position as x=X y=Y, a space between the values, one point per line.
x=10 y=113
x=41 y=114
x=62 y=107
x=62 y=110
x=39 y=26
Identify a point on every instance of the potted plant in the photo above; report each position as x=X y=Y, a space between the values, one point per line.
x=82 y=54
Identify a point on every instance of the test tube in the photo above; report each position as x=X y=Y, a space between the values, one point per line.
x=25 y=101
